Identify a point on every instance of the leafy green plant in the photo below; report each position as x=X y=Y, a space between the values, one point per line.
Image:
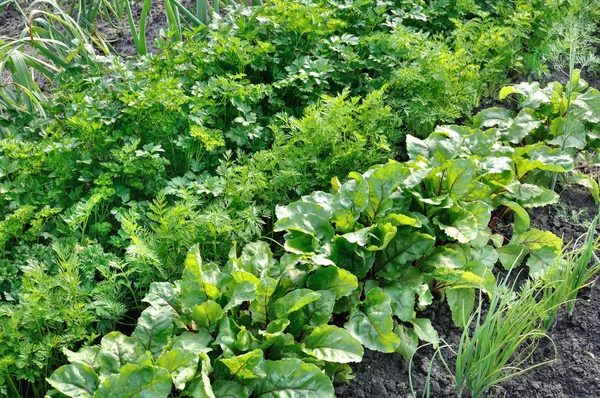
x=225 y=330
x=66 y=297
x=420 y=227
x=566 y=118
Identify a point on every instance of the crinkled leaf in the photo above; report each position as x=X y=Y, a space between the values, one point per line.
x=444 y=257
x=162 y=294
x=207 y=314
x=589 y=105
x=293 y=301
x=242 y=292
x=457 y=223
x=491 y=117
x=523 y=125
x=117 y=350
x=196 y=342
x=136 y=381
x=568 y=132
x=292 y=378
x=480 y=210
x=74 y=380
x=333 y=344
x=181 y=365
x=154 y=328
x=229 y=389
x=86 y=356
x=335 y=279
x=257 y=259
x=529 y=195
x=372 y=324
x=306 y=218
x=245 y=366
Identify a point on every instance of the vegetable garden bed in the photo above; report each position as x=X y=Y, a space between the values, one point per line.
x=576 y=373
x=271 y=200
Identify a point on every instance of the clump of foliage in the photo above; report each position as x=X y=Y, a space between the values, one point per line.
x=135 y=162
x=563 y=117
x=367 y=253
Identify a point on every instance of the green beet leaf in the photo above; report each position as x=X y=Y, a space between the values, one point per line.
x=181 y=365
x=461 y=302
x=383 y=181
x=162 y=294
x=201 y=386
x=568 y=132
x=332 y=344
x=86 y=355
x=246 y=366
x=154 y=328
x=293 y=301
x=313 y=314
x=259 y=307
x=521 y=217
x=74 y=380
x=480 y=210
x=257 y=259
x=350 y=257
x=402 y=300
x=589 y=105
x=292 y=378
x=335 y=279
x=491 y=117
x=409 y=341
x=457 y=223
x=229 y=389
x=425 y=331
x=401 y=251
x=136 y=381
x=117 y=350
x=349 y=202
x=306 y=218
x=242 y=292
x=512 y=255
x=207 y=314
x=372 y=324
x=444 y=257
x=523 y=125
x=196 y=273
